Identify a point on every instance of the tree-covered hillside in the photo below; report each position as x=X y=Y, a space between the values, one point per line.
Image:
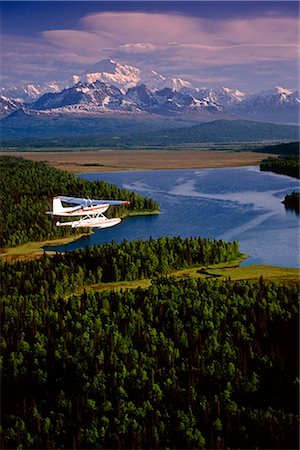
x=26 y=191
x=183 y=364
x=21 y=130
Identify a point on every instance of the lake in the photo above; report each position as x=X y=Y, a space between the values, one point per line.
x=241 y=204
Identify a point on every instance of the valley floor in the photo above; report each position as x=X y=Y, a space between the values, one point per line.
x=121 y=160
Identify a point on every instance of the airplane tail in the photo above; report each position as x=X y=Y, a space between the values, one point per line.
x=57 y=205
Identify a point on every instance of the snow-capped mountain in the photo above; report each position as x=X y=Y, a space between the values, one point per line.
x=100 y=97
x=224 y=96
x=8 y=106
x=110 y=72
x=270 y=104
x=110 y=86
x=169 y=101
x=29 y=92
x=125 y=77
x=95 y=94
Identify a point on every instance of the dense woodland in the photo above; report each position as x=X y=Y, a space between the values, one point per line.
x=26 y=191
x=285 y=165
x=183 y=364
x=286 y=148
x=136 y=260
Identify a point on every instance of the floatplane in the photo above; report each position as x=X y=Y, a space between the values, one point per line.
x=89 y=211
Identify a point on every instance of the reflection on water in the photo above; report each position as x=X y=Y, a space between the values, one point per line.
x=241 y=204
x=291 y=210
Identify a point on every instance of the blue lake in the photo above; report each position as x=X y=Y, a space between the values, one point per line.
x=241 y=204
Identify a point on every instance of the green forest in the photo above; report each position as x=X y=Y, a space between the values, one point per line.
x=26 y=191
x=193 y=363
x=285 y=165
x=185 y=363
x=136 y=260
x=286 y=148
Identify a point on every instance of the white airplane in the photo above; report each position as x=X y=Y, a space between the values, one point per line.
x=90 y=212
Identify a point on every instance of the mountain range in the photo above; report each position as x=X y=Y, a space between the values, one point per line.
x=109 y=86
x=118 y=105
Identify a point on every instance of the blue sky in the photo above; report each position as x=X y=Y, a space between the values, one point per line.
x=248 y=45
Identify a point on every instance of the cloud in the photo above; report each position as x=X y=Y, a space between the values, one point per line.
x=139 y=47
x=191 y=38
x=78 y=41
x=161 y=29
x=140 y=27
x=172 y=43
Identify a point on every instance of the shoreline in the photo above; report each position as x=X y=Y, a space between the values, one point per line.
x=35 y=249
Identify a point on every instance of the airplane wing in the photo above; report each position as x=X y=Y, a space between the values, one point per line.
x=91 y=201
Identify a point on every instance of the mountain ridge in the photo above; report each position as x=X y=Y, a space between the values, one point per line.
x=21 y=129
x=110 y=86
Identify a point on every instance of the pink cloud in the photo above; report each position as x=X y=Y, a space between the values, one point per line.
x=139 y=47
x=162 y=29
x=140 y=27
x=232 y=41
x=80 y=42
x=167 y=41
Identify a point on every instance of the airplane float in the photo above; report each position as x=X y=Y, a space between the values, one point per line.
x=89 y=211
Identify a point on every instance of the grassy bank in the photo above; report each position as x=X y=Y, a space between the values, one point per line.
x=33 y=250
x=230 y=270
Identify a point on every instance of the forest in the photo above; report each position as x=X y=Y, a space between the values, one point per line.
x=285 y=165
x=286 y=148
x=183 y=364
x=26 y=191
x=64 y=272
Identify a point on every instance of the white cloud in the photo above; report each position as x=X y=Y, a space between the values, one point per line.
x=139 y=47
x=169 y=42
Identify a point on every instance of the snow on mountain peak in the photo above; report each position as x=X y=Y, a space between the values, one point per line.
x=8 y=106
x=33 y=90
x=277 y=90
x=125 y=77
x=75 y=79
x=179 y=83
x=111 y=86
x=110 y=72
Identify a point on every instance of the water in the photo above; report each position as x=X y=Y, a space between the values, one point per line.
x=241 y=204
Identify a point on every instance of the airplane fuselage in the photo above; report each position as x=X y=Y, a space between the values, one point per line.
x=82 y=210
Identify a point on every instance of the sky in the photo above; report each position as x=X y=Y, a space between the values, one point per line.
x=239 y=44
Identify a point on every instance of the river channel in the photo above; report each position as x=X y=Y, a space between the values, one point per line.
x=241 y=204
